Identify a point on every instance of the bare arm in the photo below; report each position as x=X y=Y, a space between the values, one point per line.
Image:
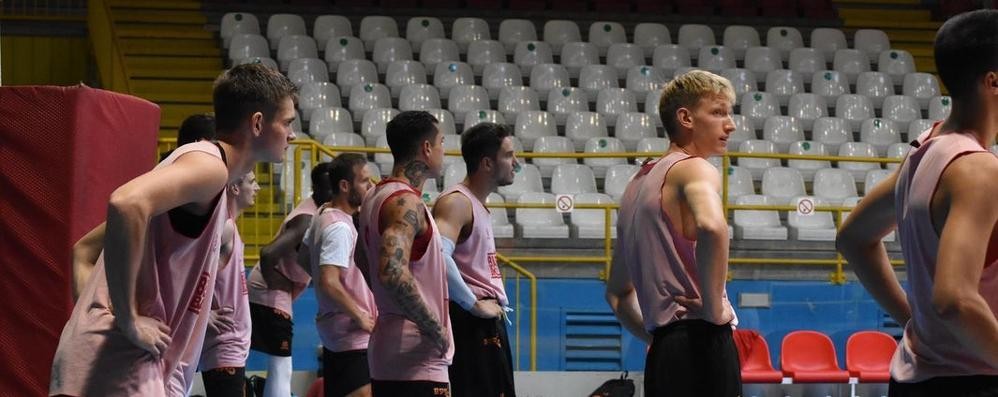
x=962 y=251
x=195 y=178
x=287 y=241
x=623 y=299
x=85 y=254
x=228 y=241
x=860 y=243
x=452 y=214
x=699 y=186
x=330 y=285
x=403 y=219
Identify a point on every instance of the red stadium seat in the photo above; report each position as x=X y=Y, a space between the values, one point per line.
x=868 y=356
x=317 y=389
x=809 y=357
x=753 y=352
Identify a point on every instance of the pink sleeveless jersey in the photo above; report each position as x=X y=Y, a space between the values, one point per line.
x=260 y=294
x=476 y=255
x=928 y=349
x=397 y=350
x=174 y=286
x=337 y=331
x=230 y=347
x=661 y=262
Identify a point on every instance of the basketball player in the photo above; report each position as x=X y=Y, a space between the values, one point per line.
x=276 y=281
x=194 y=128
x=667 y=281
x=410 y=347
x=483 y=364
x=941 y=200
x=140 y=321
x=346 y=306
x=227 y=340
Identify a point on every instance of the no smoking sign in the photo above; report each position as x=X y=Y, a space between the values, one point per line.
x=805 y=206
x=564 y=203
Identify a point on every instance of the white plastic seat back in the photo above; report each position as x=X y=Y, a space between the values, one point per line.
x=743 y=132
x=580 y=127
x=739 y=38
x=758 y=106
x=939 y=107
x=833 y=185
x=595 y=78
x=573 y=179
x=762 y=60
x=450 y=74
x=590 y=222
x=419 y=97
x=327 y=27
x=498 y=75
x=374 y=27
x=472 y=119
x=512 y=31
x=670 y=57
x=897 y=64
x=784 y=39
x=513 y=100
x=445 y=121
x=807 y=168
x=854 y=109
x=633 y=127
x=326 y=121
x=280 y=25
x=782 y=131
x=851 y=63
x=341 y=139
x=401 y=74
x=871 y=42
x=897 y=151
x=248 y=45
x=341 y=49
x=560 y=32
x=739 y=183
x=540 y=223
x=485 y=52
x=921 y=86
x=454 y=173
x=270 y=63
x=549 y=76
x=420 y=29
x=831 y=132
x=566 y=101
x=742 y=80
x=873 y=178
x=527 y=179
x=390 y=49
x=355 y=72
x=308 y=70
x=644 y=79
x=235 y=23
x=784 y=84
x=617 y=178
x=576 y=55
x=603 y=145
x=715 y=58
x=552 y=144
x=902 y=110
x=876 y=86
x=501 y=228
x=807 y=108
x=807 y=61
x=753 y=165
x=819 y=226
x=652 y=101
x=654 y=147
x=612 y=102
x=828 y=40
x=294 y=47
x=757 y=225
x=466 y=30
x=317 y=95
x=694 y=36
x=533 y=125
x=434 y=51
x=467 y=98
x=830 y=85
x=857 y=149
x=782 y=184
x=917 y=127
x=364 y=97
x=374 y=123
x=880 y=133
x=530 y=53
x=650 y=35
x=605 y=34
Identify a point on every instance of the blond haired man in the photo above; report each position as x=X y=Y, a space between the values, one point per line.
x=667 y=281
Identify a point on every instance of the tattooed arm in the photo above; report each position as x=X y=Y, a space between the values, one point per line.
x=401 y=219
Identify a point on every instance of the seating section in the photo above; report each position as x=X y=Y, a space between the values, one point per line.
x=566 y=87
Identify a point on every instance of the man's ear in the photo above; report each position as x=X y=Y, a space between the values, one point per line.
x=344 y=185
x=256 y=122
x=685 y=117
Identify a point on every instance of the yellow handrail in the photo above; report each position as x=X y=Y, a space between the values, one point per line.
x=107 y=50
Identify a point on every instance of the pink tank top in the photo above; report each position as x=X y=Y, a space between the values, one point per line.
x=230 y=347
x=476 y=255
x=174 y=286
x=337 y=331
x=397 y=350
x=288 y=266
x=661 y=262
x=928 y=349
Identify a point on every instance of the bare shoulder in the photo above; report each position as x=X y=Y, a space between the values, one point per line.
x=695 y=169
x=972 y=172
x=403 y=209
x=452 y=207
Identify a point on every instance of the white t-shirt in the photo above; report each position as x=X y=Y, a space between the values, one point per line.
x=336 y=248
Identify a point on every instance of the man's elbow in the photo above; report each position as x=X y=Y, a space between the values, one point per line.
x=949 y=305
x=124 y=203
x=716 y=228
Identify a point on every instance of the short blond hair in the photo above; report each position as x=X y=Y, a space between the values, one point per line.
x=685 y=91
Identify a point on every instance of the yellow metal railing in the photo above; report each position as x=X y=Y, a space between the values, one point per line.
x=107 y=51
x=520 y=271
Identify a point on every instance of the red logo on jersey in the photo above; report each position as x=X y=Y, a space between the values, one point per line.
x=242 y=279
x=198 y=299
x=494 y=266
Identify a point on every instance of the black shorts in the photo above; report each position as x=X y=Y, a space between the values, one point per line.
x=272 y=330
x=693 y=358
x=409 y=388
x=224 y=382
x=949 y=386
x=344 y=372
x=483 y=364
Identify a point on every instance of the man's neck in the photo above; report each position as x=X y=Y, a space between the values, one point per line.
x=238 y=159
x=343 y=204
x=481 y=187
x=414 y=172
x=978 y=122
